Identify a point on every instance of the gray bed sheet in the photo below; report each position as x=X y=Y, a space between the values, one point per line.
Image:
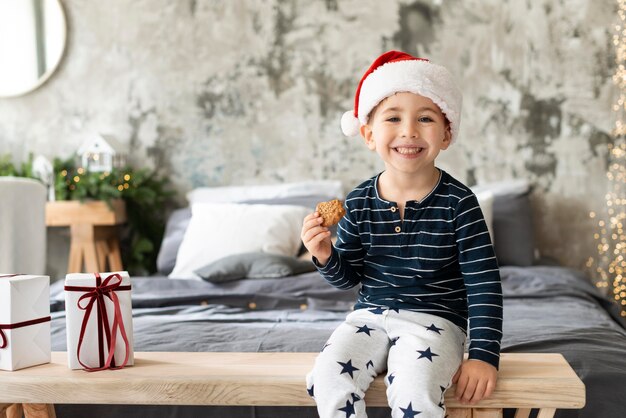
x=547 y=309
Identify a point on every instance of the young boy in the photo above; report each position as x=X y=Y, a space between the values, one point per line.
x=415 y=239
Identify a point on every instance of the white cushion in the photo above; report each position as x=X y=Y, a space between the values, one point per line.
x=232 y=194
x=217 y=230
x=504 y=187
x=22 y=225
x=485 y=200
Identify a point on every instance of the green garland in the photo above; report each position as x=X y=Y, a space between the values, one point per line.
x=146 y=194
x=7 y=168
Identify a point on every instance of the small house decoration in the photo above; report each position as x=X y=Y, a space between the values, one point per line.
x=101 y=153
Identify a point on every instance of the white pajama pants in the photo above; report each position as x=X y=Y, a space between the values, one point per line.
x=420 y=352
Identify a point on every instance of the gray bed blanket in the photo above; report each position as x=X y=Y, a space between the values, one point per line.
x=547 y=309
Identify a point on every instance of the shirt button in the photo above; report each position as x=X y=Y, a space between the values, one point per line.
x=252 y=305
x=393 y=208
x=398 y=229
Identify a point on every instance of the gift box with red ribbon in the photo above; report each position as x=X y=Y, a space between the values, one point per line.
x=99 y=320
x=24 y=321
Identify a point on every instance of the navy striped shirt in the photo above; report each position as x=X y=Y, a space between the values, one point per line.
x=438 y=260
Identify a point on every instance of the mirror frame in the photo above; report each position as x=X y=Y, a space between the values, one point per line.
x=46 y=76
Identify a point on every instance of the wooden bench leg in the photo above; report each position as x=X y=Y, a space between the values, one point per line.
x=39 y=410
x=3 y=409
x=486 y=413
x=14 y=411
x=546 y=413
x=522 y=413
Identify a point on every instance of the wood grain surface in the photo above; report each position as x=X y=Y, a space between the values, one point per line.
x=159 y=378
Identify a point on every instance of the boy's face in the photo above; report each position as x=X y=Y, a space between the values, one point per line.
x=408 y=131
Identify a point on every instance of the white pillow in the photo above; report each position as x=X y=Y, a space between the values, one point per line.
x=504 y=187
x=231 y=194
x=485 y=200
x=217 y=230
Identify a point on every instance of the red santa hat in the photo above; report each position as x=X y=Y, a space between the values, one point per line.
x=395 y=72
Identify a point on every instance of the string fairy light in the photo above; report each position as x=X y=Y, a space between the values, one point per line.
x=610 y=264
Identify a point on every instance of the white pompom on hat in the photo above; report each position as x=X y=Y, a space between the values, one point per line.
x=395 y=72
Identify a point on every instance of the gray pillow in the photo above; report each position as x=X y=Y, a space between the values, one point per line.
x=514 y=240
x=175 y=229
x=256 y=265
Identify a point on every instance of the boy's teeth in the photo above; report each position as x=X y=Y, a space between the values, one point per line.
x=408 y=150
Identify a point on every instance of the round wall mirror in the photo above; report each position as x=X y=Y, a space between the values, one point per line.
x=32 y=41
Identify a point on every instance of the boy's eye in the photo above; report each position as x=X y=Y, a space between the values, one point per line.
x=393 y=119
x=425 y=119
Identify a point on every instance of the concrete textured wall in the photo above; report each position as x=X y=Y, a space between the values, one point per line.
x=250 y=92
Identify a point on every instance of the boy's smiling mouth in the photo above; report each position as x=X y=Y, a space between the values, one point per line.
x=410 y=150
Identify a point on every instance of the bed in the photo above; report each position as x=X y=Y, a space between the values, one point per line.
x=547 y=308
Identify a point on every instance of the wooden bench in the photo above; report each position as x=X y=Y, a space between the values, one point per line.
x=526 y=381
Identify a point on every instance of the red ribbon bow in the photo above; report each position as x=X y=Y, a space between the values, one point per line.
x=96 y=295
x=3 y=337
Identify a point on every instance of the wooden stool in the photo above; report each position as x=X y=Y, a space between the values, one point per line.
x=94 y=234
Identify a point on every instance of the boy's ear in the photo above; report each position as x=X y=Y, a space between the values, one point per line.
x=366 y=133
x=447 y=139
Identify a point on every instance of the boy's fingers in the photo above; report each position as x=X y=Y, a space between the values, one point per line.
x=312 y=233
x=320 y=237
x=469 y=390
x=460 y=386
x=315 y=245
x=314 y=230
x=314 y=222
x=491 y=385
x=311 y=216
x=310 y=223
x=456 y=376
x=308 y=236
x=479 y=393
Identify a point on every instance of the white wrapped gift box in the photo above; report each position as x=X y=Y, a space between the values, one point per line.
x=97 y=322
x=24 y=320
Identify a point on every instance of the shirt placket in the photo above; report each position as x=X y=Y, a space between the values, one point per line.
x=398 y=225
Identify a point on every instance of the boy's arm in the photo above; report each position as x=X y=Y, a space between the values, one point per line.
x=344 y=268
x=476 y=378
x=479 y=267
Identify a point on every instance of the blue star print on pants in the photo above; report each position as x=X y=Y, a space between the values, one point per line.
x=348 y=409
x=347 y=368
x=409 y=412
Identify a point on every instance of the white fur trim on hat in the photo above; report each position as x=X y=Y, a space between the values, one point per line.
x=350 y=124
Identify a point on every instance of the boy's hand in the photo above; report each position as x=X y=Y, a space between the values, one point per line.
x=316 y=238
x=474 y=381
